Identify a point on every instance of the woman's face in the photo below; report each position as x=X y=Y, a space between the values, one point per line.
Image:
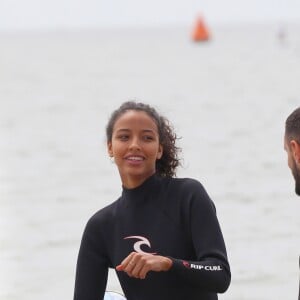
x=135 y=147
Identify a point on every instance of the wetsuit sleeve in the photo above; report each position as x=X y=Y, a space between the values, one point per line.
x=211 y=268
x=92 y=267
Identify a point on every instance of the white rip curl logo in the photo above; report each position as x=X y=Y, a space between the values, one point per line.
x=141 y=241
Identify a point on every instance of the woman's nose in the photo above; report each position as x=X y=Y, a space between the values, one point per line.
x=135 y=144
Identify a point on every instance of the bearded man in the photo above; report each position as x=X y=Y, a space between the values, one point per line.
x=292 y=147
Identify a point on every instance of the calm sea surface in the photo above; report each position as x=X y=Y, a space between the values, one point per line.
x=228 y=99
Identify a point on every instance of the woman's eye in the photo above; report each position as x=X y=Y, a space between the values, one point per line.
x=148 y=138
x=123 y=137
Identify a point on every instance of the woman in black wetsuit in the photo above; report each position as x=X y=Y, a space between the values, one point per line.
x=162 y=235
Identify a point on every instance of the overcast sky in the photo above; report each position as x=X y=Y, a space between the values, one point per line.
x=40 y=14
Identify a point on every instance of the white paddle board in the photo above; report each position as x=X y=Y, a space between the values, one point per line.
x=110 y=295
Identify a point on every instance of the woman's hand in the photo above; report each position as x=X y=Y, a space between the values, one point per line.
x=139 y=264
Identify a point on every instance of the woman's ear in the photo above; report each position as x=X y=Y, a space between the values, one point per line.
x=109 y=149
x=160 y=152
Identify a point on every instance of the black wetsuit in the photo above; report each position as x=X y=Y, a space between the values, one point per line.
x=166 y=216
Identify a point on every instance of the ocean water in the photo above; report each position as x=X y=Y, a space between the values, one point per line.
x=227 y=99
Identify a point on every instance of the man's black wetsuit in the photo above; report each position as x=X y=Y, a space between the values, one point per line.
x=165 y=216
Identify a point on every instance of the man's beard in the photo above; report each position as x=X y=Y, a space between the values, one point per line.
x=296 y=174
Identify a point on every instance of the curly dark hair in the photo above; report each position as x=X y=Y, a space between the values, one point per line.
x=167 y=164
x=292 y=126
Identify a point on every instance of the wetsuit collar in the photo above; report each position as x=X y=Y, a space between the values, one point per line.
x=147 y=189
